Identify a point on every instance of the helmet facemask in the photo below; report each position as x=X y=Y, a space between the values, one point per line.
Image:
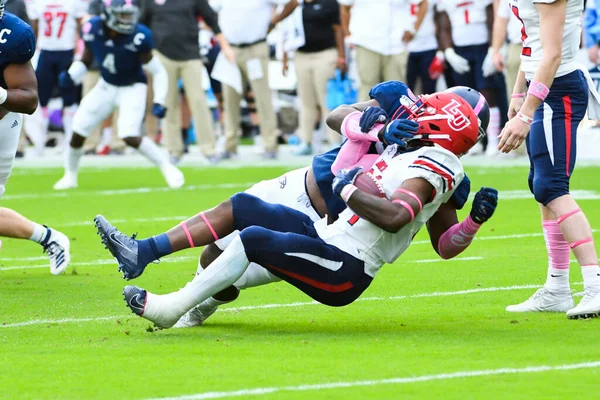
x=122 y=18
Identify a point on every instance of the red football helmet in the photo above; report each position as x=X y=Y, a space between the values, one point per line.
x=447 y=120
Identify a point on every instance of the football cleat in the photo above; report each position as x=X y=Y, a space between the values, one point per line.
x=58 y=248
x=154 y=308
x=196 y=316
x=545 y=301
x=122 y=247
x=69 y=181
x=588 y=307
x=173 y=176
x=135 y=299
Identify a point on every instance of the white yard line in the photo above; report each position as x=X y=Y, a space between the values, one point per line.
x=389 y=381
x=118 y=192
x=94 y=263
x=288 y=305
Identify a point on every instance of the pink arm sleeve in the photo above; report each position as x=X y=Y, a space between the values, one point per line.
x=351 y=129
x=351 y=154
x=456 y=239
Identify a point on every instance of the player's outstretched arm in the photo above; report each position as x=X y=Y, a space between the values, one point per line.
x=21 y=95
x=449 y=237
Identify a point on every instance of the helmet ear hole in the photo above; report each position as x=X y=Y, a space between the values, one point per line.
x=434 y=127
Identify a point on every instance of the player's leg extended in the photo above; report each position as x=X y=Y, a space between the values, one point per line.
x=14 y=225
x=131 y=101
x=95 y=108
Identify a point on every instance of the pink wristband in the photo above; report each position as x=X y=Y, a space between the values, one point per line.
x=539 y=90
x=407 y=207
x=347 y=191
x=411 y=194
x=517 y=95
x=524 y=118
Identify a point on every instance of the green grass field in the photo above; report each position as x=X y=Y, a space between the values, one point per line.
x=425 y=329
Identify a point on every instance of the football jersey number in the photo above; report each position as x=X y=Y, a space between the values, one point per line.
x=526 y=50
x=109 y=63
x=49 y=18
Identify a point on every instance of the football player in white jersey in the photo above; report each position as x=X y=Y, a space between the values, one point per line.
x=333 y=263
x=466 y=28
x=549 y=100
x=56 y=24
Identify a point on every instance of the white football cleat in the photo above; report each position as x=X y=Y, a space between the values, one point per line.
x=173 y=176
x=545 y=301
x=588 y=307
x=69 y=181
x=58 y=248
x=196 y=316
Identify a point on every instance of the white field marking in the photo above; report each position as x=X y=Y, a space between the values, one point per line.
x=124 y=221
x=435 y=260
x=298 y=304
x=118 y=192
x=389 y=381
x=93 y=263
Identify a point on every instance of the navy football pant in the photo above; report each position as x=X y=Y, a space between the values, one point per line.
x=552 y=141
x=50 y=65
x=284 y=241
x=418 y=67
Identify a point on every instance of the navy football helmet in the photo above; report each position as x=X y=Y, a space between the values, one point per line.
x=121 y=15
x=477 y=102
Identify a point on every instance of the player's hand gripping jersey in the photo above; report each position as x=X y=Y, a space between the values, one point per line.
x=373 y=245
x=57 y=22
x=119 y=57
x=531 y=54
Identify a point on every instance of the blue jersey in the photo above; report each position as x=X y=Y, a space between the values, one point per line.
x=17 y=43
x=119 y=57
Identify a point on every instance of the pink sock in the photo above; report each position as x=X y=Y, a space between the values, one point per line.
x=559 y=254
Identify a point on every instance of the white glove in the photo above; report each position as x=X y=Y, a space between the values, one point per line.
x=488 y=67
x=458 y=63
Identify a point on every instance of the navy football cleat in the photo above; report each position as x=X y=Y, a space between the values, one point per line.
x=122 y=247
x=135 y=298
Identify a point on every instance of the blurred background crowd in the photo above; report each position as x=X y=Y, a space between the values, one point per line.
x=267 y=72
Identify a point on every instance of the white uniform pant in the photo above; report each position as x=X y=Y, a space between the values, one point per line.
x=103 y=99
x=288 y=190
x=10 y=129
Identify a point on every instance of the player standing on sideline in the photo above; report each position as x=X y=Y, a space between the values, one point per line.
x=56 y=24
x=333 y=263
x=467 y=25
x=123 y=49
x=549 y=99
x=18 y=95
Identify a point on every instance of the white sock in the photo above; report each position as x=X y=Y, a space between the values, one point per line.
x=557 y=280
x=39 y=233
x=149 y=149
x=493 y=130
x=254 y=276
x=591 y=276
x=106 y=136
x=223 y=272
x=72 y=160
x=68 y=114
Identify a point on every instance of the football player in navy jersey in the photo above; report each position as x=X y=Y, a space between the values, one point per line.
x=123 y=50
x=18 y=96
x=309 y=191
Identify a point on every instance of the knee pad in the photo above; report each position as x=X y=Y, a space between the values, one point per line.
x=547 y=188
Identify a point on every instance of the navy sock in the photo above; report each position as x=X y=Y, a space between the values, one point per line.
x=153 y=248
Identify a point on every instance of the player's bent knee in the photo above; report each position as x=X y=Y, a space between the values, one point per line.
x=77 y=141
x=133 y=141
x=546 y=189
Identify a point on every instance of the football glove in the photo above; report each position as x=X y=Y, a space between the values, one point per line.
x=399 y=131
x=159 y=111
x=65 y=81
x=371 y=116
x=344 y=177
x=488 y=68
x=484 y=205
x=459 y=64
